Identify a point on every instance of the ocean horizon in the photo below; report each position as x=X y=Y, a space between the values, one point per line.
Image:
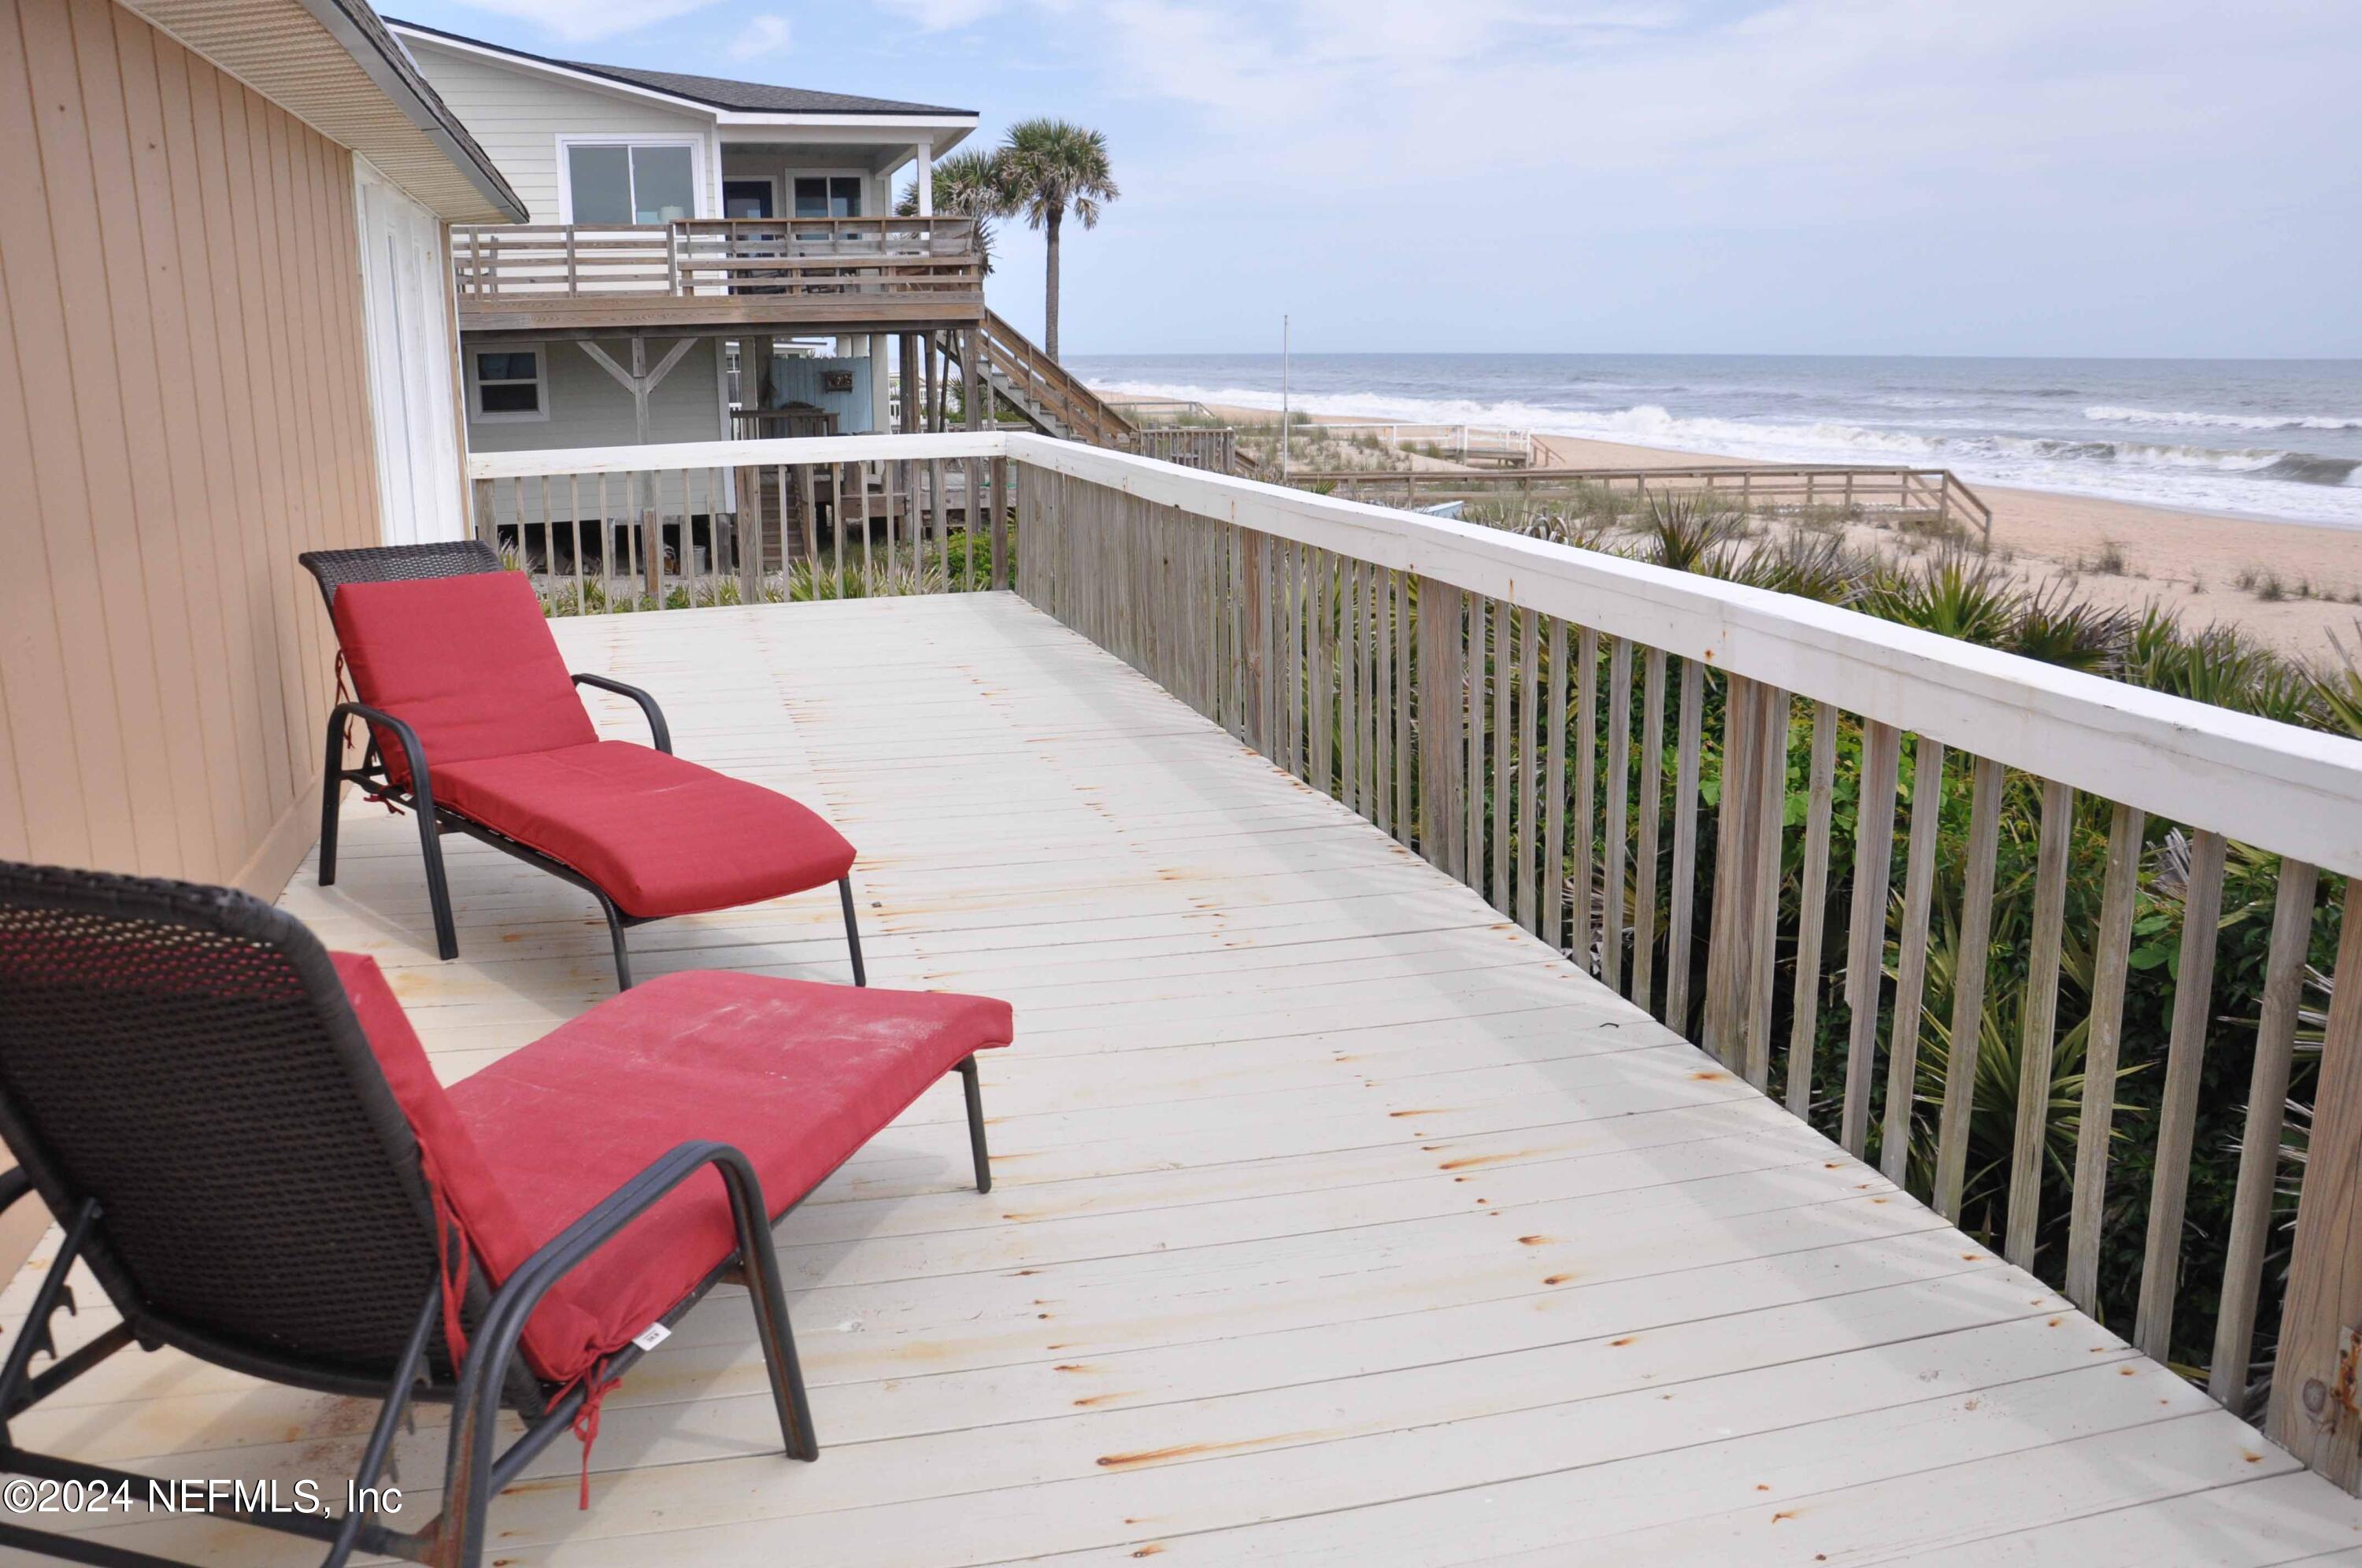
x=2274 y=439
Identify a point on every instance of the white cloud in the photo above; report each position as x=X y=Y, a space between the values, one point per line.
x=579 y=21
x=940 y=16
x=762 y=35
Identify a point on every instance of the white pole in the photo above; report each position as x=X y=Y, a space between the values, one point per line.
x=1287 y=434
x=925 y=176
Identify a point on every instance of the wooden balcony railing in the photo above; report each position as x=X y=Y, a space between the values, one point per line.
x=705 y=260
x=1697 y=791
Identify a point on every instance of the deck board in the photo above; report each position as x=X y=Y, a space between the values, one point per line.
x=1334 y=1218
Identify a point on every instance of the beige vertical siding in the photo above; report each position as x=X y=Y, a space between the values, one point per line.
x=182 y=408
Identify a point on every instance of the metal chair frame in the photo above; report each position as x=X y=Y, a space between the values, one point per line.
x=493 y=1374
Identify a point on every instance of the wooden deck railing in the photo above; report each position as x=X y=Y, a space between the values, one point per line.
x=1698 y=790
x=705 y=257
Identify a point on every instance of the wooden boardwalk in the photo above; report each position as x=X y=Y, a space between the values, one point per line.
x=1337 y=1221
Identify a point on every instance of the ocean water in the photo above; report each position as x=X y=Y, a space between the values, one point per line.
x=2280 y=439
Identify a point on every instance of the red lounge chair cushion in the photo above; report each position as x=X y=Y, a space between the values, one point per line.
x=662 y=837
x=456 y=1168
x=466 y=662
x=797 y=1075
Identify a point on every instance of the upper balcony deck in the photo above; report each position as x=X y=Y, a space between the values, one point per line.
x=1337 y=1217
x=713 y=275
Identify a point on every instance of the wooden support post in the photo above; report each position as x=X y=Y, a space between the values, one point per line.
x=2315 y=1412
x=746 y=535
x=972 y=410
x=1754 y=762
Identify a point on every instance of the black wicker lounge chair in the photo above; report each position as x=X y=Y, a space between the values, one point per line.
x=245 y=1147
x=476 y=726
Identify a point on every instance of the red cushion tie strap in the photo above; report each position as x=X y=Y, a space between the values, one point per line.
x=595 y=1384
x=344 y=695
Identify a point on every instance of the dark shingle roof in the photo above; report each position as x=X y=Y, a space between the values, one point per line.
x=744 y=97
x=758 y=97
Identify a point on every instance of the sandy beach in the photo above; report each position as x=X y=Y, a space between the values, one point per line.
x=2190 y=563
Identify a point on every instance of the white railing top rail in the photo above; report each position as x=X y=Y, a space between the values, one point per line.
x=2289 y=791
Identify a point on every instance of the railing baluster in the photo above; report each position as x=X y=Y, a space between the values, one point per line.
x=1970 y=968
x=1585 y=762
x=1350 y=686
x=2177 y=1117
x=1616 y=824
x=2110 y=967
x=1503 y=663
x=1442 y=838
x=1529 y=748
x=1475 y=667
x=1911 y=966
x=1393 y=702
x=1652 y=804
x=1775 y=723
x=1554 y=794
x=2260 y=1144
x=1295 y=577
x=2039 y=1017
x=1679 y=952
x=1811 y=910
x=1874 y=871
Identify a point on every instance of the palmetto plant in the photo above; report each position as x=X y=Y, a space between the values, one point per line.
x=967 y=184
x=1053 y=168
x=1690 y=532
x=2000 y=1060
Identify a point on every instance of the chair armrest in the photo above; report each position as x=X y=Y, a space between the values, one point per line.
x=477 y=1404
x=422 y=791
x=647 y=706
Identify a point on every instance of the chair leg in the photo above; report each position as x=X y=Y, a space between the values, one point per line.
x=976 y=1148
x=332 y=778
x=616 y=933
x=438 y=887
x=851 y=930
x=759 y=1260
x=388 y=1416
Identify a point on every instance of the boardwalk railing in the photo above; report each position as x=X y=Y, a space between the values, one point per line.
x=1698 y=790
x=1937 y=494
x=1215 y=448
x=897 y=256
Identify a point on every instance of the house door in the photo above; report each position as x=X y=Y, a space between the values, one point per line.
x=406 y=303
x=746 y=199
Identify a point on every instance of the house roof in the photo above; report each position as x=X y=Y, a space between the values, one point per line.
x=333 y=65
x=712 y=91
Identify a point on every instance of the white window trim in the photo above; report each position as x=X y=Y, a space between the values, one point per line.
x=791 y=172
x=541 y=383
x=707 y=191
x=777 y=195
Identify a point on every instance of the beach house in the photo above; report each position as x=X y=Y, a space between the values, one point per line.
x=677 y=224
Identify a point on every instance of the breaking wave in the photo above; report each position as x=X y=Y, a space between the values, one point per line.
x=2111 y=413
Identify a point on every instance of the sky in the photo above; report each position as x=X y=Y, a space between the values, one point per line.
x=2051 y=177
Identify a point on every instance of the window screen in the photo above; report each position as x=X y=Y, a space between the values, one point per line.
x=600 y=177
x=662 y=188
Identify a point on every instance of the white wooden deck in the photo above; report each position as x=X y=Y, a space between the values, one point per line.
x=1336 y=1219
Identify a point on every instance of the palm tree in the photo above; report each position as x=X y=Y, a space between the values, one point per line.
x=967 y=184
x=1051 y=167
